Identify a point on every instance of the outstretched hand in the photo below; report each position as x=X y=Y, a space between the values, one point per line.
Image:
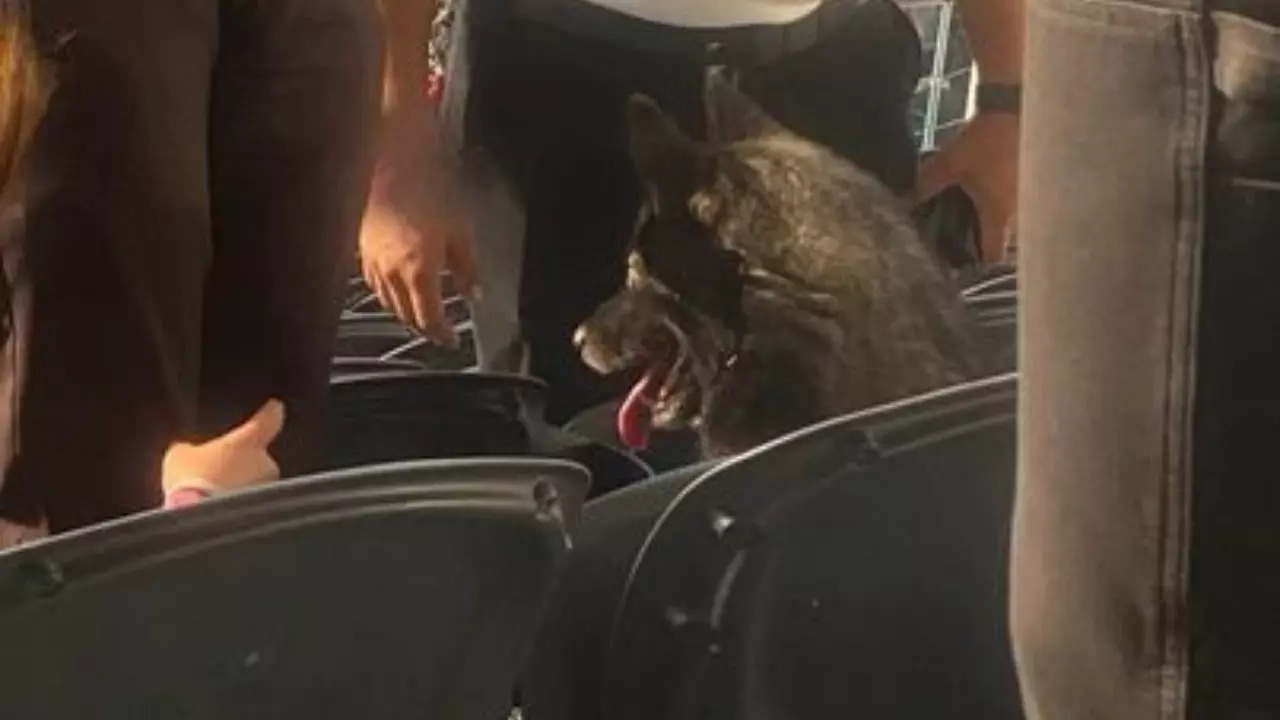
x=982 y=159
x=415 y=226
x=235 y=460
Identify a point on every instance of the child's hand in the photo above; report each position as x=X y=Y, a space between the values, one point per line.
x=232 y=461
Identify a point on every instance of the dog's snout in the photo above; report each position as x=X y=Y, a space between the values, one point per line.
x=590 y=352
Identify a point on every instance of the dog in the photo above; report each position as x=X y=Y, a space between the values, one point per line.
x=770 y=285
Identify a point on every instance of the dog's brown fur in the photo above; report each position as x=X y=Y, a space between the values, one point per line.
x=791 y=285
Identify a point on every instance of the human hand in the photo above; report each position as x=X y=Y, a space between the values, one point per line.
x=235 y=460
x=415 y=226
x=982 y=159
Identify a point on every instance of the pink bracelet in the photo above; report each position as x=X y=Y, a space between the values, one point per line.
x=184 y=496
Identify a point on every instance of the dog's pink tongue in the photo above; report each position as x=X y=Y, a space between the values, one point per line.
x=635 y=416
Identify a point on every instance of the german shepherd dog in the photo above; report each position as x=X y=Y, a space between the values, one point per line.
x=770 y=285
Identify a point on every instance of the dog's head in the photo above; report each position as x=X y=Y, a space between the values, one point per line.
x=770 y=284
x=710 y=223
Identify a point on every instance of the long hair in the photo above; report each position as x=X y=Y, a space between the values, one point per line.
x=24 y=92
x=24 y=87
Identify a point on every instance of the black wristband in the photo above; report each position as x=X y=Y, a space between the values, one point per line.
x=999 y=98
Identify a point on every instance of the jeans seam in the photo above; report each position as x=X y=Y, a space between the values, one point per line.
x=1180 y=371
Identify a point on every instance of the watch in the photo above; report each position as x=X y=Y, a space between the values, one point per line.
x=999 y=98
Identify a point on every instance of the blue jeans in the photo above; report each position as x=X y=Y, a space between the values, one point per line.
x=1146 y=532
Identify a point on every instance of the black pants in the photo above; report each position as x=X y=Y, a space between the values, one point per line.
x=1147 y=528
x=194 y=199
x=545 y=106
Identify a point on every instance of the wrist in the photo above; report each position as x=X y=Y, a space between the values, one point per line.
x=996 y=98
x=999 y=70
x=183 y=496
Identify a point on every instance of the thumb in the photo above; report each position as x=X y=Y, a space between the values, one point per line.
x=263 y=427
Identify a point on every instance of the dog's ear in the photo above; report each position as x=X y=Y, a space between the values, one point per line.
x=732 y=116
x=670 y=164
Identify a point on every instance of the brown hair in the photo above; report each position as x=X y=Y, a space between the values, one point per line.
x=24 y=87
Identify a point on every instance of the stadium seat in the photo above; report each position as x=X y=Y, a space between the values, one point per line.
x=995 y=280
x=344 y=367
x=394 y=416
x=378 y=335
x=401 y=591
x=390 y=417
x=997 y=322
x=855 y=569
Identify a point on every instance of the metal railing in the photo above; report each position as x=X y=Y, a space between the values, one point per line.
x=944 y=97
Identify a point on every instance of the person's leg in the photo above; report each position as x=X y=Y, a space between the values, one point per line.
x=1114 y=118
x=547 y=108
x=103 y=365
x=1145 y=516
x=1235 y=516
x=294 y=112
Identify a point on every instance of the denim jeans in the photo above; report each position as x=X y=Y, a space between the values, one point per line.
x=1146 y=533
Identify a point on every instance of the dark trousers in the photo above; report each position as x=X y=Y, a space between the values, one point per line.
x=194 y=199
x=544 y=108
x=1147 y=528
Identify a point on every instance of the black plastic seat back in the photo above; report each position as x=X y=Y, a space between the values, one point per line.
x=857 y=569
x=994 y=280
x=395 y=416
x=345 y=367
x=388 y=417
x=997 y=324
x=379 y=335
x=406 y=591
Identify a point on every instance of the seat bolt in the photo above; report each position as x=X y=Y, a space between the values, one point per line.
x=42 y=579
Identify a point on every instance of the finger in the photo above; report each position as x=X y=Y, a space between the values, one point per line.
x=462 y=264
x=368 y=273
x=399 y=300
x=379 y=290
x=263 y=427
x=429 y=308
